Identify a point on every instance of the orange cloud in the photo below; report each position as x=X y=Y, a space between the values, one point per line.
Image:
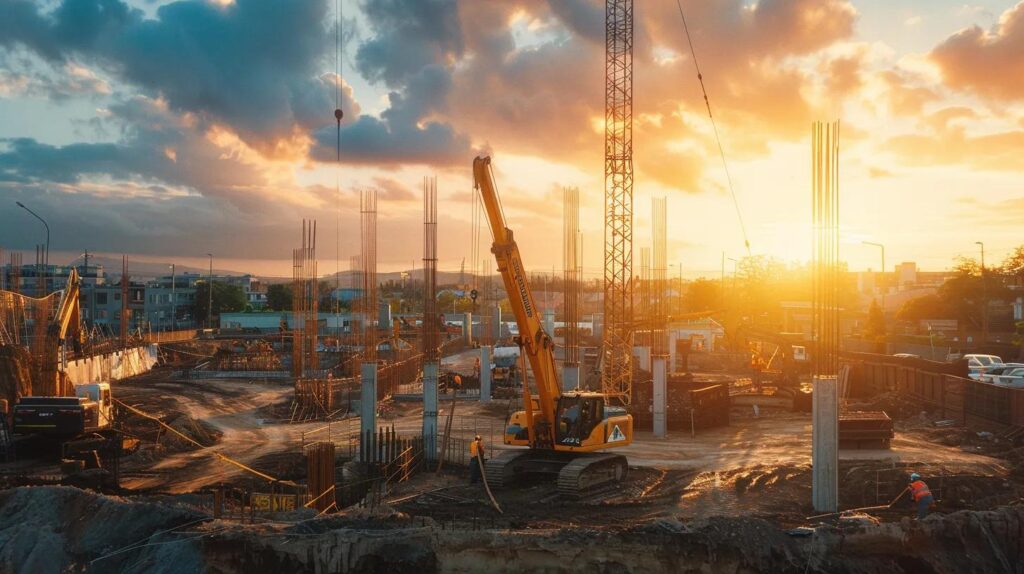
x=988 y=63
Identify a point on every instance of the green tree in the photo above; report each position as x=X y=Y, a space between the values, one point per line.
x=279 y=297
x=924 y=307
x=226 y=299
x=702 y=295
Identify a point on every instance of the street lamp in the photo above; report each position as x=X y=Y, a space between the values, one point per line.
x=882 y=275
x=209 y=303
x=46 y=256
x=984 y=295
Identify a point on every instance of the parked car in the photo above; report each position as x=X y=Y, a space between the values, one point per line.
x=907 y=356
x=1003 y=369
x=978 y=364
x=1012 y=378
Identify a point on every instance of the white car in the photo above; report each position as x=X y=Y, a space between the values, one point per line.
x=1011 y=378
x=989 y=375
x=978 y=364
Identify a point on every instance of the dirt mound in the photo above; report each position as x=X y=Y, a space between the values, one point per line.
x=56 y=529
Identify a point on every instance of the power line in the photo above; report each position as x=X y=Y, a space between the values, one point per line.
x=714 y=126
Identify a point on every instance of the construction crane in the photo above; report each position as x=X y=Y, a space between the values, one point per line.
x=563 y=430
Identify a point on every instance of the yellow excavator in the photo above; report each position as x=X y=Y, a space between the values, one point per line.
x=564 y=430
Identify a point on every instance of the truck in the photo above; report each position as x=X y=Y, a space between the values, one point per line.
x=64 y=418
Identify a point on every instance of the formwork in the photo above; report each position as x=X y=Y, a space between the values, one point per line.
x=690 y=403
x=865 y=430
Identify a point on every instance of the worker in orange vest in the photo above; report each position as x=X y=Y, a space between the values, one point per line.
x=922 y=496
x=476 y=455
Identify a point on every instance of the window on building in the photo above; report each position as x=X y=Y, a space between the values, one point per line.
x=101 y=298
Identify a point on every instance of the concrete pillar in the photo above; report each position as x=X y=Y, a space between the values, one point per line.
x=467 y=327
x=549 y=323
x=485 y=374
x=430 y=411
x=825 y=445
x=367 y=407
x=384 y=316
x=659 y=371
x=496 y=322
x=570 y=377
x=643 y=357
x=598 y=322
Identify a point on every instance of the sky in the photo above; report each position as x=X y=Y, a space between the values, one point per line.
x=169 y=130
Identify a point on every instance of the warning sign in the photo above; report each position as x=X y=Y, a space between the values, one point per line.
x=616 y=435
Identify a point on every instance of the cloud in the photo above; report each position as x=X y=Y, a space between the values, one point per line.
x=952 y=145
x=393 y=190
x=989 y=63
x=251 y=64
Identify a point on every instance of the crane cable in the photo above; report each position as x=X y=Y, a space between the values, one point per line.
x=338 y=115
x=714 y=126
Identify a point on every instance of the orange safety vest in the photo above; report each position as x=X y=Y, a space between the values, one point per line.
x=919 y=490
x=473 y=446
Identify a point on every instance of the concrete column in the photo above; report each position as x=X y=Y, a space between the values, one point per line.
x=643 y=357
x=549 y=323
x=570 y=377
x=430 y=411
x=367 y=407
x=485 y=374
x=384 y=315
x=825 y=445
x=467 y=327
x=598 y=323
x=496 y=323
x=659 y=370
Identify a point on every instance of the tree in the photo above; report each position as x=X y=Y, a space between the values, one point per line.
x=1013 y=265
x=226 y=299
x=702 y=295
x=279 y=297
x=875 y=328
x=924 y=307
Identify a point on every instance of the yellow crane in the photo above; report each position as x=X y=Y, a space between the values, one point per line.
x=563 y=430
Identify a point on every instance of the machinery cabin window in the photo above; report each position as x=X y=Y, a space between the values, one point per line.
x=577 y=417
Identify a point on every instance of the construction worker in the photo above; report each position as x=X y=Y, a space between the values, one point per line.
x=476 y=455
x=922 y=496
x=456 y=384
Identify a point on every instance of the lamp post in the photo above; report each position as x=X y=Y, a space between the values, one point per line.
x=882 y=275
x=174 y=303
x=209 y=303
x=984 y=295
x=46 y=256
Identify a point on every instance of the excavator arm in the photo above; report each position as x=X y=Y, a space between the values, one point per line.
x=536 y=343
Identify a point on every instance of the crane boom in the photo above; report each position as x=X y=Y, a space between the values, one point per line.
x=537 y=343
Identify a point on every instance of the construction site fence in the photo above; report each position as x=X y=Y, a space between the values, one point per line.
x=937 y=387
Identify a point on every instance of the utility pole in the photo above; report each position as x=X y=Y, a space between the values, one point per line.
x=209 y=303
x=984 y=295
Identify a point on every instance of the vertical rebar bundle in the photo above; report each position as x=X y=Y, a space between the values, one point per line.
x=15 y=286
x=659 y=269
x=305 y=302
x=572 y=272
x=642 y=335
x=617 y=337
x=825 y=216
x=431 y=321
x=368 y=256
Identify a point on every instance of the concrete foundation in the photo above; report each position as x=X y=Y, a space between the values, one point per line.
x=485 y=374
x=430 y=411
x=570 y=377
x=659 y=370
x=368 y=406
x=825 y=445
